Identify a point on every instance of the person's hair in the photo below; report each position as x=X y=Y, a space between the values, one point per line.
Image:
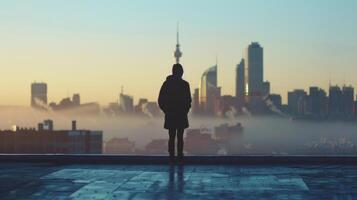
x=177 y=70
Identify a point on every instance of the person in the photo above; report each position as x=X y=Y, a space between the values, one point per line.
x=175 y=101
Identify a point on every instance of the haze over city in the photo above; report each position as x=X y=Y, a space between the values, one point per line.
x=95 y=48
x=200 y=99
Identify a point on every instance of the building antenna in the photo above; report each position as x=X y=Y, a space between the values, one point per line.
x=177 y=53
x=177 y=34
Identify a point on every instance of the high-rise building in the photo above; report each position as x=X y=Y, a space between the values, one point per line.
x=76 y=99
x=196 y=102
x=313 y=100
x=348 y=100
x=297 y=102
x=38 y=95
x=253 y=61
x=335 y=102
x=266 y=88
x=317 y=102
x=240 y=81
x=126 y=103
x=209 y=92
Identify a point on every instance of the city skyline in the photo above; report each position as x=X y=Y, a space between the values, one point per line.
x=97 y=54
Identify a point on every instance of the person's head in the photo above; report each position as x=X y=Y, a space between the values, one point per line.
x=177 y=70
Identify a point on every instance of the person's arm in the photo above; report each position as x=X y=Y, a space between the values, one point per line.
x=188 y=97
x=162 y=100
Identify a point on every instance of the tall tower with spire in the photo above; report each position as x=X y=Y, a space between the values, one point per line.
x=177 y=53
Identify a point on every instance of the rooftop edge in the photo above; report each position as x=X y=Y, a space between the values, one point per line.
x=196 y=160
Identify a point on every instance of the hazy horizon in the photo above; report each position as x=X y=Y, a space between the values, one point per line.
x=261 y=134
x=94 y=48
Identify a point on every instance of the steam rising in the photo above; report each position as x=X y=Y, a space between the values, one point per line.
x=231 y=115
x=246 y=111
x=146 y=110
x=270 y=104
x=42 y=104
x=261 y=135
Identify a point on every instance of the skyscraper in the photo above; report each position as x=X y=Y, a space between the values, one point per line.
x=76 y=99
x=240 y=81
x=196 y=102
x=209 y=92
x=177 y=53
x=317 y=102
x=348 y=100
x=335 y=102
x=253 y=61
x=297 y=102
x=266 y=88
x=126 y=103
x=38 y=95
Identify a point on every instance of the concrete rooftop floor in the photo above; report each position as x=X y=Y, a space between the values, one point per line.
x=93 y=181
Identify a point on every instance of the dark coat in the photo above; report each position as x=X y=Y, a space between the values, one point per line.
x=175 y=102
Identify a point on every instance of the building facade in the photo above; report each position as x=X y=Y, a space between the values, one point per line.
x=38 y=95
x=348 y=101
x=297 y=102
x=253 y=61
x=240 y=81
x=317 y=102
x=209 y=92
x=47 y=140
x=126 y=103
x=335 y=99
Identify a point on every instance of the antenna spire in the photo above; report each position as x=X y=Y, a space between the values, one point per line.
x=177 y=34
x=177 y=53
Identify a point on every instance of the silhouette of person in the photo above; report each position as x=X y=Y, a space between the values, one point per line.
x=176 y=183
x=175 y=101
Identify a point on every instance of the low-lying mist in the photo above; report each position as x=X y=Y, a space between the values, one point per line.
x=261 y=135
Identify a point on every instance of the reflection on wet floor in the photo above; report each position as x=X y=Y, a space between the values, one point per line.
x=44 y=181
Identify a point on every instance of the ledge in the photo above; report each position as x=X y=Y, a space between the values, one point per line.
x=196 y=160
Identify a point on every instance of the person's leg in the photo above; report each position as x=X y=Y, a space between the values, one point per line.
x=180 y=143
x=171 y=144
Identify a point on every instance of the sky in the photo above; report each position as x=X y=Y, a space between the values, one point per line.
x=96 y=47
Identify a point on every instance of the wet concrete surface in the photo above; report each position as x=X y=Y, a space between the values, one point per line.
x=93 y=181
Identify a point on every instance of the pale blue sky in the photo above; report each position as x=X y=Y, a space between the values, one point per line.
x=94 y=47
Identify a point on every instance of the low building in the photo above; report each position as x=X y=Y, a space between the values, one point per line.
x=157 y=146
x=119 y=146
x=45 y=140
x=198 y=142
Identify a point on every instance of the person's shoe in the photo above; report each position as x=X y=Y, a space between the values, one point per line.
x=171 y=160
x=180 y=158
x=180 y=155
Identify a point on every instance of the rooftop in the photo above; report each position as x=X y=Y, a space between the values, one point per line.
x=37 y=178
